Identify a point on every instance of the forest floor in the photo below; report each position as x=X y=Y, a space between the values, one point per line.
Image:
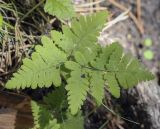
x=24 y=31
x=132 y=34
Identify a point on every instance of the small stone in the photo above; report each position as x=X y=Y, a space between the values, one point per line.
x=148 y=54
x=148 y=42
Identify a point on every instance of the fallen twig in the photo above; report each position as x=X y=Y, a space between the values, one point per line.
x=84 y=10
x=139 y=12
x=90 y=4
x=138 y=24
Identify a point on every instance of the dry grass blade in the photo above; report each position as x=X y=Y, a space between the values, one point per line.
x=89 y=7
x=138 y=24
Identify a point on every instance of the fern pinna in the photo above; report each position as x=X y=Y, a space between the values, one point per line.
x=62 y=9
x=85 y=66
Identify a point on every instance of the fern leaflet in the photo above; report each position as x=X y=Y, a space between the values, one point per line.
x=43 y=118
x=128 y=71
x=97 y=86
x=77 y=88
x=42 y=70
x=82 y=35
x=73 y=122
x=113 y=86
x=56 y=99
x=63 y=9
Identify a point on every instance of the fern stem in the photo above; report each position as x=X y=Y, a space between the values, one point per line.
x=92 y=111
x=131 y=121
x=97 y=69
x=104 y=124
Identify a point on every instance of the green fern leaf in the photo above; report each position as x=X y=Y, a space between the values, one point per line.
x=56 y=99
x=113 y=86
x=125 y=67
x=80 y=58
x=63 y=9
x=72 y=65
x=119 y=68
x=125 y=75
x=52 y=125
x=104 y=55
x=35 y=112
x=62 y=40
x=115 y=57
x=82 y=36
x=97 y=86
x=73 y=122
x=86 y=31
x=42 y=70
x=43 y=118
x=77 y=88
x=84 y=65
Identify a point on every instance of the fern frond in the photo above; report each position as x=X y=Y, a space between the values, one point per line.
x=63 y=9
x=73 y=122
x=128 y=71
x=80 y=58
x=52 y=125
x=111 y=67
x=97 y=86
x=102 y=72
x=35 y=112
x=64 y=42
x=132 y=74
x=86 y=29
x=56 y=99
x=84 y=65
x=112 y=83
x=103 y=58
x=124 y=70
x=77 y=88
x=82 y=35
x=42 y=117
x=43 y=69
x=119 y=68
